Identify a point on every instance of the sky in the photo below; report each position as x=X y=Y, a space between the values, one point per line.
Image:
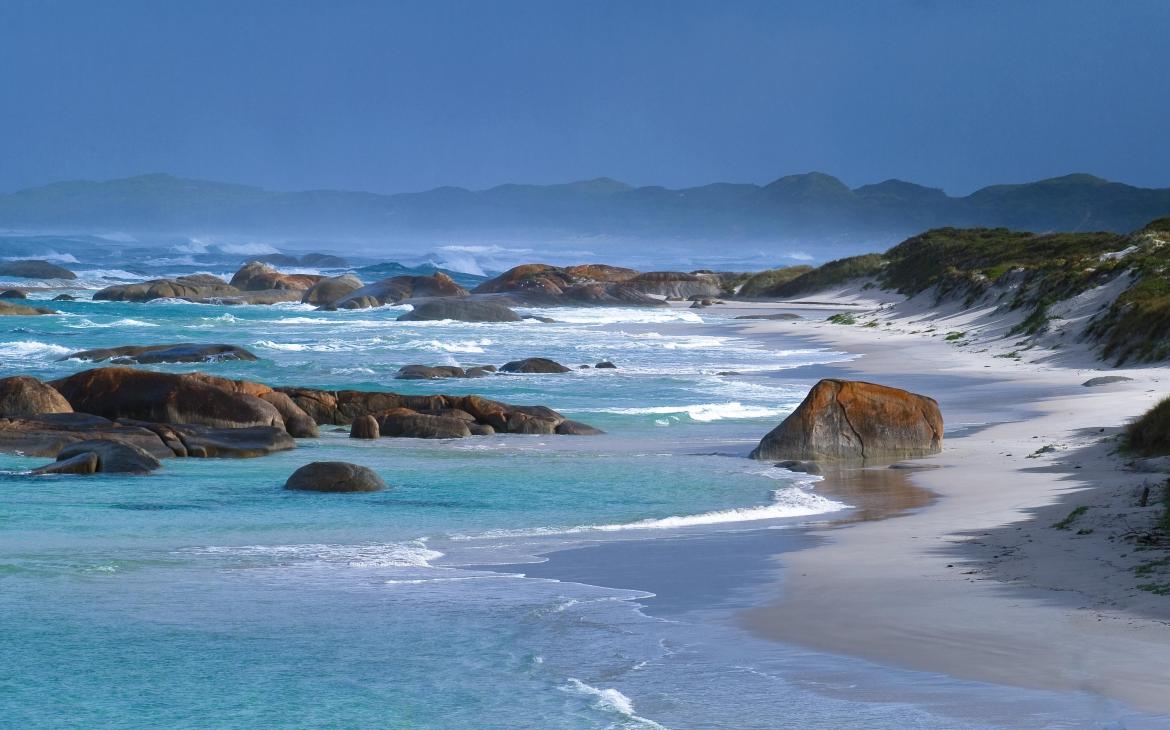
x=405 y=96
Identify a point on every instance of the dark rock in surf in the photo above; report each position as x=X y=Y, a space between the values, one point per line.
x=576 y=428
x=13 y=294
x=150 y=354
x=533 y=365
x=334 y=477
x=20 y=310
x=35 y=269
x=460 y=310
x=112 y=456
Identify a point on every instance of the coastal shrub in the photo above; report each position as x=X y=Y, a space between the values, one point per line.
x=842 y=318
x=833 y=273
x=1150 y=434
x=762 y=284
x=1071 y=518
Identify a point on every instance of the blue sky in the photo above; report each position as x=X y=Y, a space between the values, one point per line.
x=400 y=96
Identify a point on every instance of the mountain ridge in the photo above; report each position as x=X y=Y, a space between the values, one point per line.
x=815 y=204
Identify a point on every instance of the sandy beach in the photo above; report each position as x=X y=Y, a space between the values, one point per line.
x=979 y=584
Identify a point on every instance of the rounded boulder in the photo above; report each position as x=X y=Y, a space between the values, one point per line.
x=336 y=477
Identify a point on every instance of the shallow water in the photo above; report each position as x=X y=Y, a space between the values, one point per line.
x=206 y=596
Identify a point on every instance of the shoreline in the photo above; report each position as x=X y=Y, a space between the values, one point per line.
x=978 y=585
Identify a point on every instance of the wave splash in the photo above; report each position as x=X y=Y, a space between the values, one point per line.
x=609 y=700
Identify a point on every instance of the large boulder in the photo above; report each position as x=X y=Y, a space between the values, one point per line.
x=533 y=365
x=179 y=352
x=195 y=287
x=460 y=310
x=335 y=476
x=397 y=288
x=13 y=294
x=259 y=276
x=854 y=421
x=118 y=392
x=328 y=291
x=102 y=455
x=19 y=310
x=21 y=395
x=35 y=269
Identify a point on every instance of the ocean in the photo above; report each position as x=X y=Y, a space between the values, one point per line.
x=206 y=596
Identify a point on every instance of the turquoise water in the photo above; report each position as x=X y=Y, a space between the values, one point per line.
x=205 y=596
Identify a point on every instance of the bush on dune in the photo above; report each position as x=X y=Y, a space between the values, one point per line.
x=762 y=284
x=833 y=273
x=1150 y=434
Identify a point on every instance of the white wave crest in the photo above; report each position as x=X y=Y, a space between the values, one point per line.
x=788 y=502
x=61 y=258
x=468 y=346
x=414 y=554
x=245 y=249
x=609 y=700
x=617 y=315
x=703 y=412
x=25 y=349
x=126 y=322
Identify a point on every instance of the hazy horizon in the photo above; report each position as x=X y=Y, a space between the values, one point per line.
x=392 y=98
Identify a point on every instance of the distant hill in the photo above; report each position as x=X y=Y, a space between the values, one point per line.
x=812 y=206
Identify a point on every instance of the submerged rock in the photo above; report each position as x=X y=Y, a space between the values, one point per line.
x=104 y=455
x=21 y=395
x=335 y=476
x=35 y=269
x=534 y=365
x=180 y=352
x=844 y=420
x=460 y=310
x=605 y=365
x=64 y=298
x=20 y=310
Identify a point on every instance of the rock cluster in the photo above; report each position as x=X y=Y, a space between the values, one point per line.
x=430 y=416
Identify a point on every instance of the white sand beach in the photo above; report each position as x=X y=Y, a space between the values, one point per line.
x=979 y=584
